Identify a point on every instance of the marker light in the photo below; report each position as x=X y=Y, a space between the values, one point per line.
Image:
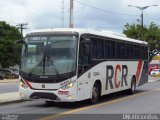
x=23 y=84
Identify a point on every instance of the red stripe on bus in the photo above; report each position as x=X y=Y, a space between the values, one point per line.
x=139 y=67
x=29 y=85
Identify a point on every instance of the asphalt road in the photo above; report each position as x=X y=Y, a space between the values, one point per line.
x=145 y=101
x=8 y=87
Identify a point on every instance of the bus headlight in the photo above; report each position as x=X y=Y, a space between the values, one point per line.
x=23 y=84
x=70 y=84
x=67 y=86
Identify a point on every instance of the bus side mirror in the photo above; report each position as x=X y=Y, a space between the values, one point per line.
x=18 y=46
x=20 y=42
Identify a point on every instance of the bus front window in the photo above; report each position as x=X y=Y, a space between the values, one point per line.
x=52 y=55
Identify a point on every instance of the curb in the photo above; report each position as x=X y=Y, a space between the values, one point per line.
x=154 y=79
x=9 y=81
x=12 y=102
x=9 y=97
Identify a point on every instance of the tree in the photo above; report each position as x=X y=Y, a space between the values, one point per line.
x=150 y=34
x=8 y=35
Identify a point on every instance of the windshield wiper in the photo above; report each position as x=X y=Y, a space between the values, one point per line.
x=37 y=65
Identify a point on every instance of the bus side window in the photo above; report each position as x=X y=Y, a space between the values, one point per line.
x=84 y=56
x=97 y=48
x=84 y=53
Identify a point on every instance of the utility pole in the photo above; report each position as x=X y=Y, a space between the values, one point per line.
x=62 y=13
x=21 y=27
x=71 y=14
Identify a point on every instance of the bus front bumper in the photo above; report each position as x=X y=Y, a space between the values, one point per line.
x=47 y=95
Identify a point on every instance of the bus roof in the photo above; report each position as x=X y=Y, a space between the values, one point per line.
x=102 y=33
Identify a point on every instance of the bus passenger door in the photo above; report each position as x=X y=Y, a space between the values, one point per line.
x=84 y=70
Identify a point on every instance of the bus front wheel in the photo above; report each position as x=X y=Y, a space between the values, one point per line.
x=95 y=94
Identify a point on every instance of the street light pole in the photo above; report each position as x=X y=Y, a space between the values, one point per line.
x=142 y=19
x=141 y=8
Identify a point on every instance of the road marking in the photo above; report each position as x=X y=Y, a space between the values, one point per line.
x=97 y=105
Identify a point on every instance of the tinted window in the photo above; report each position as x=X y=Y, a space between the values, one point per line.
x=120 y=50
x=97 y=48
x=109 y=49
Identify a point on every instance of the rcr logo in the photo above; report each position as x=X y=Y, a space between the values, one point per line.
x=110 y=73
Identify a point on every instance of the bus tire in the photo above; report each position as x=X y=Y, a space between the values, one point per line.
x=133 y=86
x=95 y=94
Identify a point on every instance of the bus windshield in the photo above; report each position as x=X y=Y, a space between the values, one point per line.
x=49 y=55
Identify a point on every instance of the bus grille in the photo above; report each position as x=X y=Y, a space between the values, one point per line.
x=40 y=95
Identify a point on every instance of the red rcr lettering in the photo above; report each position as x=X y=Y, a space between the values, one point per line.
x=117 y=83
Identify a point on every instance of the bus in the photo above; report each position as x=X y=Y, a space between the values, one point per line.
x=68 y=64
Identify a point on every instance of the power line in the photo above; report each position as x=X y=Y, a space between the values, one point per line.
x=109 y=12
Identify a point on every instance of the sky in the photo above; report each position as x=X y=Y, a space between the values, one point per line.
x=109 y=14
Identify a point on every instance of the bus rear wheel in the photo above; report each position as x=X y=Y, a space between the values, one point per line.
x=133 y=86
x=95 y=94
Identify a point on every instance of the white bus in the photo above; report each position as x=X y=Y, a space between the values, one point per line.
x=67 y=65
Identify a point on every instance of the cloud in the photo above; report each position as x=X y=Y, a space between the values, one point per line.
x=47 y=13
x=110 y=19
x=12 y=12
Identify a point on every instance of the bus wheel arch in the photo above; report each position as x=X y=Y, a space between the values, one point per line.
x=96 y=91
